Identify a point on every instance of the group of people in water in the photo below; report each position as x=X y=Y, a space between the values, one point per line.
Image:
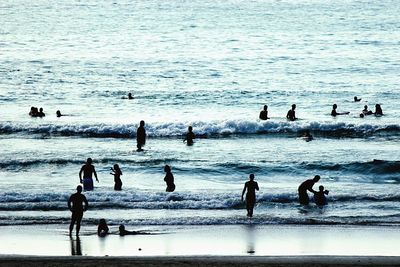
x=291 y=114
x=37 y=113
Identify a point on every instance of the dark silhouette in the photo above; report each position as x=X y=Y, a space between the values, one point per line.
x=319 y=197
x=77 y=204
x=189 y=136
x=88 y=171
x=251 y=187
x=378 y=110
x=169 y=179
x=307 y=185
x=34 y=112
x=58 y=113
x=141 y=136
x=123 y=232
x=334 y=113
x=308 y=136
x=365 y=111
x=41 y=113
x=102 y=228
x=116 y=171
x=130 y=96
x=264 y=113
x=291 y=115
x=357 y=99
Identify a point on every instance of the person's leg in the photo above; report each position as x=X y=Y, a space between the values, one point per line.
x=78 y=222
x=71 y=225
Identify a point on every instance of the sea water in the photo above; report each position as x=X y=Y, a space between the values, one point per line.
x=212 y=65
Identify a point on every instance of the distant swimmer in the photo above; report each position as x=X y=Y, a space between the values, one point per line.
x=77 y=204
x=140 y=136
x=319 y=197
x=34 y=112
x=264 y=113
x=102 y=228
x=308 y=136
x=251 y=187
x=116 y=171
x=130 y=96
x=307 y=186
x=58 y=113
x=291 y=115
x=334 y=113
x=88 y=170
x=365 y=111
x=357 y=99
x=378 y=110
x=41 y=113
x=169 y=179
x=189 y=136
x=123 y=231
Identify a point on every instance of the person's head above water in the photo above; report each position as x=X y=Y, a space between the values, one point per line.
x=121 y=228
x=102 y=222
x=190 y=128
x=142 y=123
x=79 y=189
x=167 y=168
x=265 y=107
x=251 y=177
x=321 y=188
x=89 y=161
x=334 y=106
x=316 y=178
x=58 y=113
x=293 y=106
x=365 y=107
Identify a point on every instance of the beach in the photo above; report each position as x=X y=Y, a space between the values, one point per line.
x=96 y=69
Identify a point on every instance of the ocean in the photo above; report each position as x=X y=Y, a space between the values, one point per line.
x=212 y=65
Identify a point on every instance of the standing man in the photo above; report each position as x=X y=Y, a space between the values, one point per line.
x=189 y=136
x=140 y=136
x=88 y=170
x=291 y=114
x=307 y=185
x=251 y=187
x=77 y=204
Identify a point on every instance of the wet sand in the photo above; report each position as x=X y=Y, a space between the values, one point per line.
x=11 y=261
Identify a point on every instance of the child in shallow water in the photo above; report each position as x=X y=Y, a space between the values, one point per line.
x=102 y=228
x=116 y=171
x=319 y=196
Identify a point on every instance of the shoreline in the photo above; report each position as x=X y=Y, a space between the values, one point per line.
x=28 y=261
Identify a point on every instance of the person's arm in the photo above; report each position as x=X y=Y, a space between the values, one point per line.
x=244 y=190
x=80 y=175
x=95 y=174
x=257 y=188
x=69 y=203
x=312 y=190
x=287 y=115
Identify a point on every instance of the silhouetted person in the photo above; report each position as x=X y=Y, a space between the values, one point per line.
x=123 y=232
x=102 y=228
x=189 y=136
x=264 y=113
x=365 y=111
x=378 y=110
x=291 y=115
x=130 y=96
x=58 y=113
x=116 y=171
x=34 y=112
x=88 y=170
x=307 y=185
x=308 y=136
x=77 y=204
x=319 y=197
x=357 y=99
x=41 y=113
x=334 y=113
x=251 y=187
x=169 y=179
x=140 y=136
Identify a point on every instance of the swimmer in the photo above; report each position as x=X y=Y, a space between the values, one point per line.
x=319 y=197
x=102 y=228
x=365 y=111
x=116 y=171
x=307 y=136
x=140 y=136
x=378 y=110
x=189 y=136
x=88 y=170
x=41 y=113
x=264 y=113
x=357 y=99
x=251 y=187
x=291 y=115
x=334 y=113
x=169 y=179
x=305 y=186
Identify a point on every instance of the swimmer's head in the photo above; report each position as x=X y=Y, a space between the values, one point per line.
x=89 y=161
x=142 y=123
x=265 y=107
x=190 y=128
x=167 y=168
x=321 y=188
x=79 y=189
x=361 y=115
x=316 y=178
x=251 y=176
x=334 y=106
x=294 y=106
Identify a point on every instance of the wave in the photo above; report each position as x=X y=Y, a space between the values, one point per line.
x=14 y=201
x=201 y=128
